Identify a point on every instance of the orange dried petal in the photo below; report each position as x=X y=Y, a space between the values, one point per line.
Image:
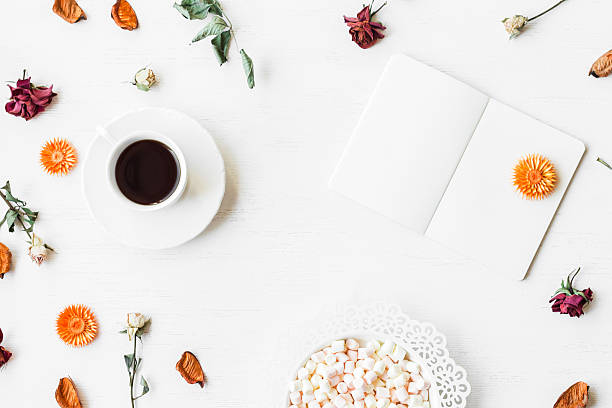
x=66 y=394
x=5 y=260
x=69 y=10
x=576 y=396
x=124 y=15
x=602 y=67
x=190 y=369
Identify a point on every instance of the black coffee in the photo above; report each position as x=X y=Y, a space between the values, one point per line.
x=147 y=172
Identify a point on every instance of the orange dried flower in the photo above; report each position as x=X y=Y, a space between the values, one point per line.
x=77 y=326
x=5 y=260
x=535 y=177
x=58 y=157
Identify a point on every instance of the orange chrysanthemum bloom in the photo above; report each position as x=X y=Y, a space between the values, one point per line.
x=77 y=325
x=535 y=177
x=58 y=157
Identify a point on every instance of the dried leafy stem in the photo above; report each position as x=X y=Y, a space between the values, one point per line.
x=132 y=362
x=17 y=212
x=220 y=28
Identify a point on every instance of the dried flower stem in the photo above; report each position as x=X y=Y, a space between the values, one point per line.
x=602 y=161
x=546 y=11
x=19 y=214
x=380 y=8
x=133 y=374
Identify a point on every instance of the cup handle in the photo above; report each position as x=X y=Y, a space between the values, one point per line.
x=101 y=131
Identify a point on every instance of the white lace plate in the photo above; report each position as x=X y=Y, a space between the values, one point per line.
x=424 y=343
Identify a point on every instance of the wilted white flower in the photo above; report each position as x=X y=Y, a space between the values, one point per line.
x=144 y=79
x=135 y=322
x=514 y=25
x=38 y=250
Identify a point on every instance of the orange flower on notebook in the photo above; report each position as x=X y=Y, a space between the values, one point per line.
x=77 y=326
x=535 y=177
x=58 y=157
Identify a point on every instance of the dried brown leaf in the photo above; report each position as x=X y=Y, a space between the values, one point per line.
x=5 y=260
x=69 y=10
x=576 y=396
x=603 y=66
x=66 y=394
x=190 y=369
x=124 y=15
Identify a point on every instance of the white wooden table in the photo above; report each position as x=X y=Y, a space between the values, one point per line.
x=283 y=248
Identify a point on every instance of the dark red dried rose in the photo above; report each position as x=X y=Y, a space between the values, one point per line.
x=28 y=100
x=5 y=355
x=363 y=30
x=570 y=301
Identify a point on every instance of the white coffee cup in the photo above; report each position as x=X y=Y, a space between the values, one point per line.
x=118 y=145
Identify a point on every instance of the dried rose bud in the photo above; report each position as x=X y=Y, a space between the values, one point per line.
x=363 y=30
x=5 y=355
x=570 y=301
x=144 y=79
x=38 y=250
x=28 y=100
x=514 y=25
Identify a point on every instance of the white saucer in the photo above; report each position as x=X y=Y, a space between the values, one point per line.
x=178 y=223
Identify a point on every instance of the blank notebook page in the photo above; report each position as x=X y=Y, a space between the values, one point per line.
x=481 y=214
x=408 y=142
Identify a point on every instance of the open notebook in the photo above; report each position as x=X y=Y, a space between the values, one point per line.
x=437 y=156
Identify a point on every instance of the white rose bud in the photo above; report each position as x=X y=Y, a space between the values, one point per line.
x=38 y=250
x=145 y=79
x=135 y=321
x=514 y=25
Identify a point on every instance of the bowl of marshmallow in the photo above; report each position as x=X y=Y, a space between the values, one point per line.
x=360 y=371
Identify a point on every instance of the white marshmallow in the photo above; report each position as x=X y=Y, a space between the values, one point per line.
x=379 y=367
x=303 y=373
x=325 y=386
x=353 y=355
x=369 y=377
x=364 y=352
x=415 y=401
x=358 y=383
x=315 y=380
x=339 y=367
x=402 y=394
x=307 y=387
x=339 y=402
x=342 y=387
x=392 y=405
x=410 y=366
x=400 y=381
x=425 y=395
x=307 y=397
x=295 y=397
x=358 y=395
x=352 y=344
x=348 y=379
x=382 y=403
x=327 y=350
x=328 y=405
x=335 y=380
x=320 y=395
x=311 y=366
x=398 y=354
x=388 y=361
x=420 y=382
x=295 y=386
x=349 y=366
x=359 y=404
x=337 y=346
x=368 y=363
x=426 y=404
x=370 y=401
x=394 y=371
x=318 y=357
x=314 y=404
x=413 y=388
x=382 y=392
x=373 y=344
x=358 y=372
x=341 y=357
x=387 y=348
x=330 y=359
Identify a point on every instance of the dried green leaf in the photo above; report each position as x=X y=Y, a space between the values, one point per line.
x=194 y=9
x=247 y=64
x=221 y=46
x=145 y=387
x=7 y=186
x=215 y=26
x=11 y=216
x=129 y=361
